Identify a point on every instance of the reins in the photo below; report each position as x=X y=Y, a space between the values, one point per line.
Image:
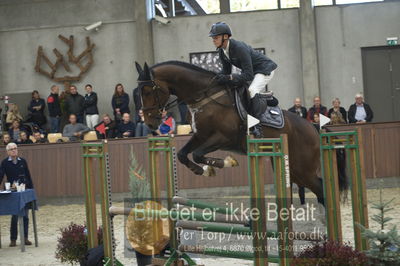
x=199 y=102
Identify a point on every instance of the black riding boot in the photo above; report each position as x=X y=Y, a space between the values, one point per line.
x=258 y=105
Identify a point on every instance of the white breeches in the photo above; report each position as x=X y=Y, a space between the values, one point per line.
x=259 y=82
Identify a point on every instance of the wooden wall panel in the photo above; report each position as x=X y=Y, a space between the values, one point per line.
x=57 y=168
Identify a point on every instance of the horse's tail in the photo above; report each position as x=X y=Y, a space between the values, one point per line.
x=341 y=168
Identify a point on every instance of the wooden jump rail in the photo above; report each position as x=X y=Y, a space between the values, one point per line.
x=349 y=141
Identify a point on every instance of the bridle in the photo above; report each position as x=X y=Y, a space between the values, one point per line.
x=156 y=89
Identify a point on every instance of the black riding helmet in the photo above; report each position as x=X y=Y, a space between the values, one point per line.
x=220 y=28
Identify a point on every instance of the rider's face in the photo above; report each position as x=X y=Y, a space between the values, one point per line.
x=217 y=40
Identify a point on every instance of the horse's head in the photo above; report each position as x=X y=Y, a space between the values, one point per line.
x=154 y=94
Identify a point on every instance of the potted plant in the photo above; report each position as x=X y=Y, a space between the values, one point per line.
x=329 y=253
x=72 y=245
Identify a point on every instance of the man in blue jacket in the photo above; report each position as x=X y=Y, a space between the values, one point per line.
x=257 y=69
x=16 y=170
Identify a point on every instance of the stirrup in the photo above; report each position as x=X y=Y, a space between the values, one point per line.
x=257 y=131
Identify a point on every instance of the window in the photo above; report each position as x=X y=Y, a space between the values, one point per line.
x=341 y=2
x=209 y=6
x=323 y=2
x=290 y=3
x=248 y=5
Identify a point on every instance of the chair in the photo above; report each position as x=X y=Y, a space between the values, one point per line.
x=91 y=135
x=54 y=137
x=183 y=130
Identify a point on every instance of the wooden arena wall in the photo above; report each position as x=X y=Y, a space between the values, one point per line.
x=57 y=168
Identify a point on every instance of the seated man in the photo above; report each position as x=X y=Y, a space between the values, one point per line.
x=126 y=128
x=298 y=109
x=16 y=169
x=74 y=131
x=167 y=126
x=38 y=137
x=316 y=108
x=360 y=112
x=24 y=139
x=106 y=129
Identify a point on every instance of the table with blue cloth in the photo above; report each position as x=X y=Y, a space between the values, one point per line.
x=15 y=203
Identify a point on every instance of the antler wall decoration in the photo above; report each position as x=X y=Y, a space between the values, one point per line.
x=61 y=61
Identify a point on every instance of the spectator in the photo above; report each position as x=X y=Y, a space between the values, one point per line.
x=13 y=114
x=316 y=108
x=15 y=130
x=120 y=102
x=167 y=125
x=337 y=114
x=16 y=169
x=74 y=104
x=6 y=138
x=90 y=104
x=24 y=139
x=36 y=109
x=74 y=130
x=360 y=112
x=107 y=128
x=298 y=109
x=142 y=129
x=137 y=100
x=315 y=121
x=39 y=138
x=53 y=104
x=126 y=128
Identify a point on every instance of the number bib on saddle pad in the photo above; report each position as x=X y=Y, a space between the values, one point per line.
x=273 y=117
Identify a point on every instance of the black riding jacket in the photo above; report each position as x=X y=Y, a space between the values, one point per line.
x=250 y=61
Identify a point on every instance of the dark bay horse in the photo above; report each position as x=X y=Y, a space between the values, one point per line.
x=217 y=126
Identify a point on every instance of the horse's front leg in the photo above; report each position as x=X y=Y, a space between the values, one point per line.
x=191 y=145
x=212 y=144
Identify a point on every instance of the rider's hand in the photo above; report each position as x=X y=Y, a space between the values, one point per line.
x=223 y=79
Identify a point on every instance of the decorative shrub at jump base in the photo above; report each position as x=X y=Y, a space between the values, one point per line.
x=330 y=253
x=384 y=243
x=138 y=182
x=73 y=243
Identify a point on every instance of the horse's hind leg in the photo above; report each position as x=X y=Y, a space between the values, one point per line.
x=191 y=145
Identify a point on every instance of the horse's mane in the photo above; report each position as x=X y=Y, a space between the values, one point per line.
x=185 y=65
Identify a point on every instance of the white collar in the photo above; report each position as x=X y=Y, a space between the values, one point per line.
x=226 y=50
x=10 y=159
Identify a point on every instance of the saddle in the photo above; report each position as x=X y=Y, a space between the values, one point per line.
x=272 y=117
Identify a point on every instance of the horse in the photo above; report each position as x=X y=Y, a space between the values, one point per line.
x=216 y=124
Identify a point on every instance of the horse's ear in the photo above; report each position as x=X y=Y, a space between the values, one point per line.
x=146 y=71
x=138 y=68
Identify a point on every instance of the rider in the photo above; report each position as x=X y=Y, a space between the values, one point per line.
x=256 y=68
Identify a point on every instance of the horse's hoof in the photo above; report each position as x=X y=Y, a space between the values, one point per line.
x=208 y=170
x=229 y=161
